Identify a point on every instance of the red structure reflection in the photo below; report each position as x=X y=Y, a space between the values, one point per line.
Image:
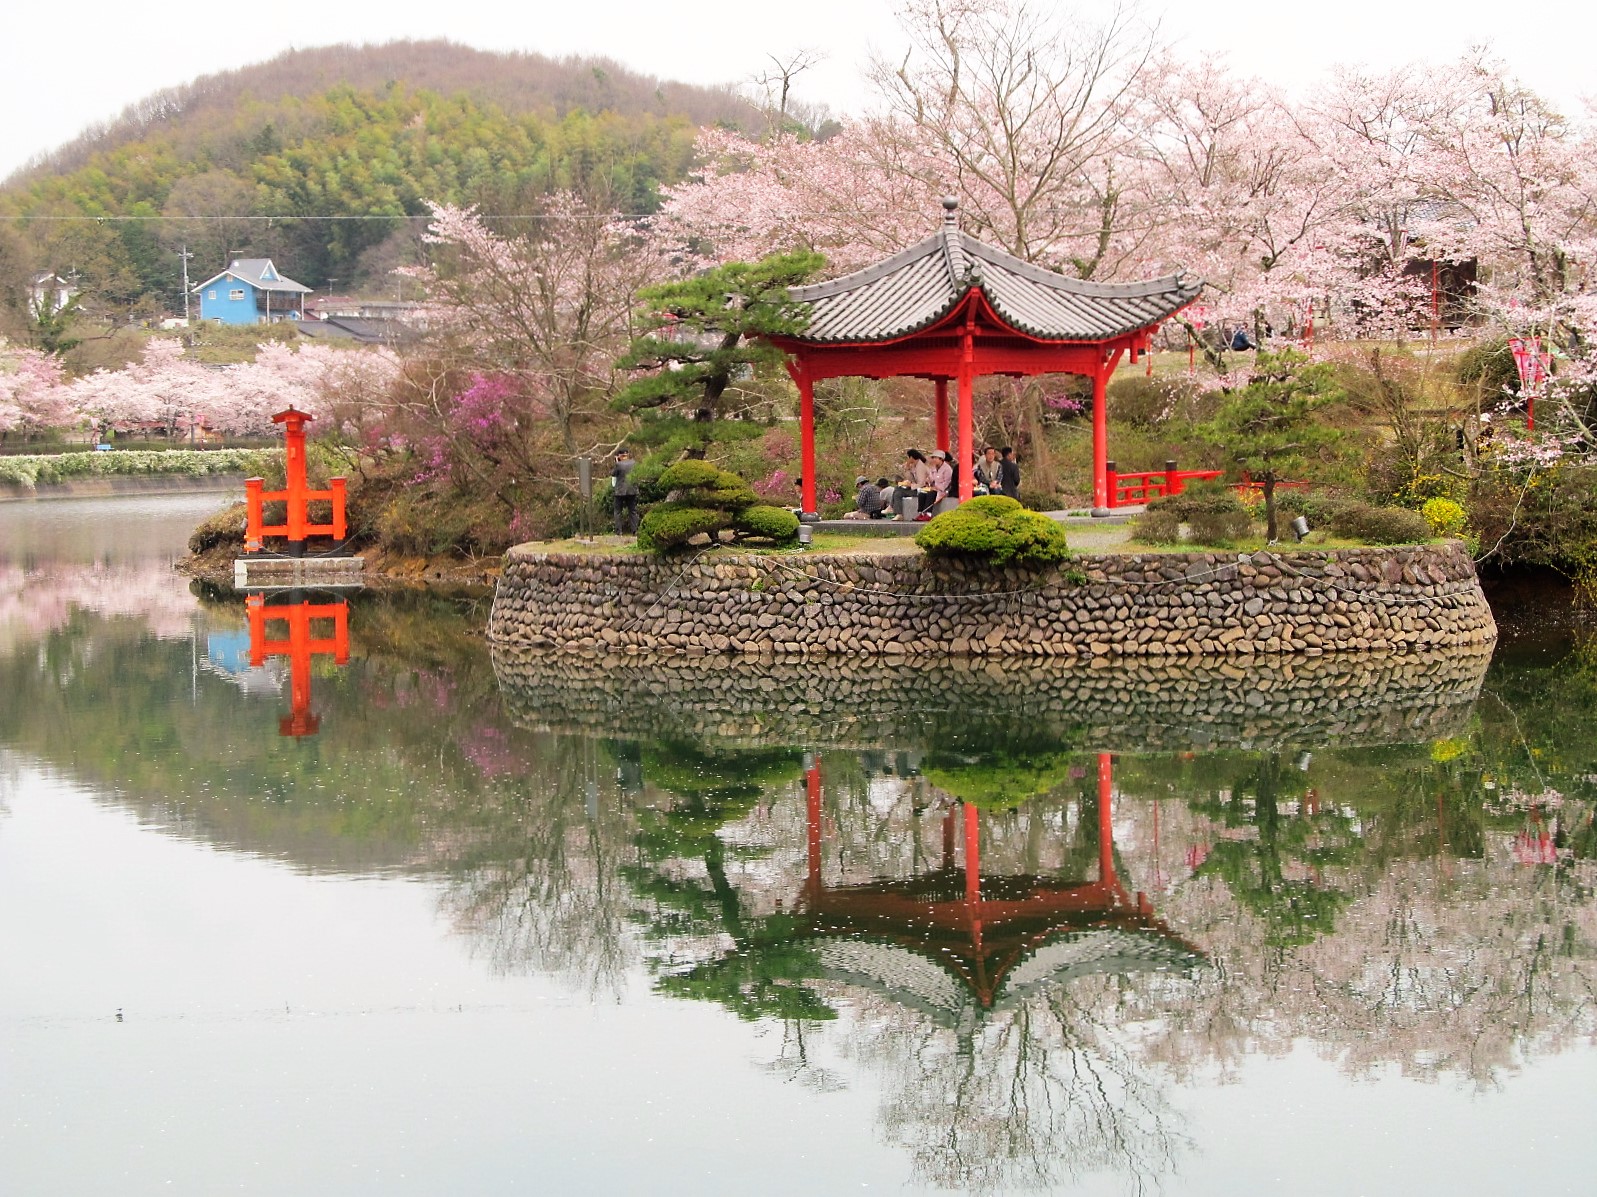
x=299 y=645
x=989 y=930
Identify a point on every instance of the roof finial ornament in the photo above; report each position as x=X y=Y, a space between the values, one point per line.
x=950 y=211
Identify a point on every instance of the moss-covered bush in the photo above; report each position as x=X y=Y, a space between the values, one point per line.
x=997 y=529
x=669 y=526
x=767 y=523
x=1380 y=525
x=707 y=499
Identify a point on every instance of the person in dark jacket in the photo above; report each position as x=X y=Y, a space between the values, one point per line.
x=624 y=491
x=1008 y=473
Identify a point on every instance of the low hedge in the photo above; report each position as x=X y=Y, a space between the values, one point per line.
x=1380 y=525
x=32 y=469
x=997 y=529
x=1212 y=512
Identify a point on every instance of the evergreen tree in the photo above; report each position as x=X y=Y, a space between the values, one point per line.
x=1273 y=428
x=704 y=333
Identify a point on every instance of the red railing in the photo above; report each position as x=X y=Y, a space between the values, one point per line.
x=1147 y=485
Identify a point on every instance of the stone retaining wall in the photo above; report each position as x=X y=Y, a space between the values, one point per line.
x=1157 y=604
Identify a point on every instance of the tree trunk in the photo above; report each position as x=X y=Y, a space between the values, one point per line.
x=1271 y=532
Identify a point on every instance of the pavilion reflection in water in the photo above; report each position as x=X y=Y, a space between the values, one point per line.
x=953 y=942
x=300 y=619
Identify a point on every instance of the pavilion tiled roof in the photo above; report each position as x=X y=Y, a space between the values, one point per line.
x=918 y=286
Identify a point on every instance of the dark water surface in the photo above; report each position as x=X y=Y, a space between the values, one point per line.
x=437 y=920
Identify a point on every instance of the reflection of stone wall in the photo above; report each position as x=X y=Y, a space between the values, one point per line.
x=1345 y=699
x=1155 y=604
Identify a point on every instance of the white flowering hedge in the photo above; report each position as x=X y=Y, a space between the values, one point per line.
x=33 y=469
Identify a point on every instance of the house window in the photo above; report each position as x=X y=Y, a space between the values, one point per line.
x=211 y=294
x=236 y=293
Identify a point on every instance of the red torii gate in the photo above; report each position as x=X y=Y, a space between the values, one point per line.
x=952 y=308
x=296 y=495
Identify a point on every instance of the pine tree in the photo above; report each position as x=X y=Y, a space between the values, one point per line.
x=704 y=333
x=1272 y=428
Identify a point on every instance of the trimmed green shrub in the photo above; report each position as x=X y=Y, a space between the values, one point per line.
x=1380 y=525
x=767 y=523
x=668 y=526
x=703 y=484
x=1445 y=517
x=1212 y=512
x=1161 y=526
x=998 y=529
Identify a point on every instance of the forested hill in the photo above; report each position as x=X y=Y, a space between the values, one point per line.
x=260 y=159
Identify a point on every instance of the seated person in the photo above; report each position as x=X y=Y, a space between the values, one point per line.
x=941 y=482
x=867 y=500
x=914 y=478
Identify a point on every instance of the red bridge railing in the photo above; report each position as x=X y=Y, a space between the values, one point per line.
x=1145 y=486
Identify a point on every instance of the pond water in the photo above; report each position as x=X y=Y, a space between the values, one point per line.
x=353 y=905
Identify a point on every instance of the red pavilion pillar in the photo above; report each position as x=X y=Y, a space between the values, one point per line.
x=964 y=475
x=1101 y=498
x=806 y=389
x=940 y=418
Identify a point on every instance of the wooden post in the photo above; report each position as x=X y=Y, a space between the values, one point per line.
x=1172 y=479
x=255 y=505
x=1111 y=485
x=807 y=443
x=940 y=413
x=338 y=487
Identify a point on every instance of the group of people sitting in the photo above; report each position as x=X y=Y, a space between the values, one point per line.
x=928 y=479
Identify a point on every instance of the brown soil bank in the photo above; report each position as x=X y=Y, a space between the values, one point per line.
x=1215 y=604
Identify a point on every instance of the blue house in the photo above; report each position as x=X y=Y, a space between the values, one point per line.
x=250 y=291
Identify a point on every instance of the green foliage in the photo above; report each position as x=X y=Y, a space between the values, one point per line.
x=32 y=469
x=1274 y=428
x=1445 y=517
x=768 y=523
x=226 y=527
x=346 y=151
x=1380 y=525
x=704 y=485
x=1211 y=510
x=1150 y=403
x=707 y=499
x=998 y=529
x=705 y=332
x=1001 y=779
x=667 y=526
x=1488 y=367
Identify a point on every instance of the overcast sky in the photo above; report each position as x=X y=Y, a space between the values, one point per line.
x=62 y=69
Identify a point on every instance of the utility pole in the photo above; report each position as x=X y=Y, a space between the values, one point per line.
x=185 y=255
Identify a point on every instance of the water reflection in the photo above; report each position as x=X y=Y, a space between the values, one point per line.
x=1040 y=913
x=298 y=616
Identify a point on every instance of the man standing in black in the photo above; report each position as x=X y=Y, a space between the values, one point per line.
x=625 y=493
x=1008 y=473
